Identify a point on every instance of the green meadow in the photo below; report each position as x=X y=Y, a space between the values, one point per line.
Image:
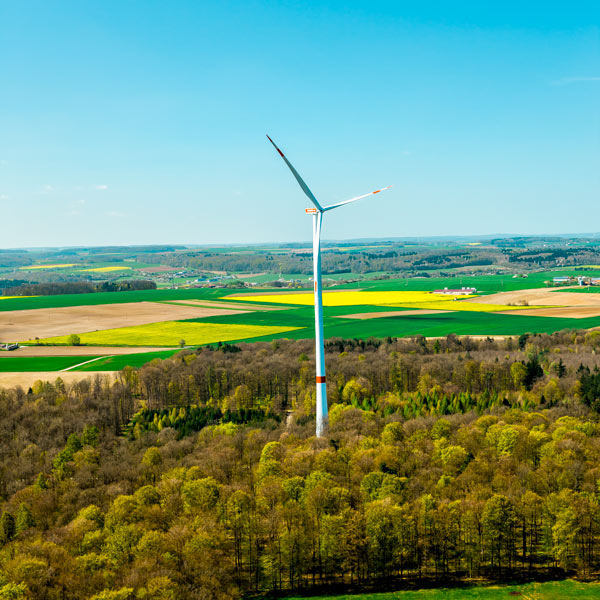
x=486 y=284
x=22 y=364
x=552 y=590
x=65 y=300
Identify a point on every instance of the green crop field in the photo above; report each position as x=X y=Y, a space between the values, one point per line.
x=23 y=364
x=429 y=325
x=116 y=363
x=582 y=290
x=552 y=590
x=486 y=284
x=65 y=300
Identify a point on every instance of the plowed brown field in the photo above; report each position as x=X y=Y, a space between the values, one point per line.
x=23 y=325
x=25 y=380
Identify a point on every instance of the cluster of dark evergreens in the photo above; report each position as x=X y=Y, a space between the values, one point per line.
x=189 y=419
x=11 y=283
x=200 y=476
x=77 y=287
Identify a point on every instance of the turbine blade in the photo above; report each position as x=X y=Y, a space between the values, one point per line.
x=299 y=179
x=355 y=199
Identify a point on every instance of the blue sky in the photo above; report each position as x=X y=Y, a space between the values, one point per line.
x=126 y=122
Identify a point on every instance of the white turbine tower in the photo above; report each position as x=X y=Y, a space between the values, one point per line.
x=317 y=213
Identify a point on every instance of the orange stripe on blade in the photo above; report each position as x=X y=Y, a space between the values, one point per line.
x=320 y=378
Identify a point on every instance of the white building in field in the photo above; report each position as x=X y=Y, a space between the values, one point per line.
x=464 y=291
x=562 y=280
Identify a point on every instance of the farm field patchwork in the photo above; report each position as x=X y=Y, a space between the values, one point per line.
x=551 y=590
x=37 y=351
x=27 y=325
x=36 y=267
x=347 y=298
x=406 y=299
x=485 y=284
x=93 y=299
x=141 y=320
x=228 y=305
x=107 y=269
x=429 y=324
x=26 y=379
x=116 y=363
x=169 y=333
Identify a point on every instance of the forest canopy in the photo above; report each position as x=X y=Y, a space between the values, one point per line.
x=200 y=476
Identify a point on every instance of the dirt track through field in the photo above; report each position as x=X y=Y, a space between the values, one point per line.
x=285 y=292
x=562 y=312
x=26 y=380
x=393 y=313
x=229 y=305
x=23 y=325
x=75 y=351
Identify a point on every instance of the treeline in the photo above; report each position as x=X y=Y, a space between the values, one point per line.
x=333 y=260
x=11 y=283
x=549 y=257
x=77 y=287
x=392 y=259
x=200 y=476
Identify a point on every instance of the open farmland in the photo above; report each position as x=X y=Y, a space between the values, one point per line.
x=38 y=351
x=26 y=379
x=169 y=333
x=26 y=325
x=36 y=267
x=348 y=298
x=144 y=320
x=399 y=299
x=107 y=269
x=42 y=363
x=94 y=299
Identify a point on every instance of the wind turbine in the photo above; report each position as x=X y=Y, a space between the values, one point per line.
x=317 y=213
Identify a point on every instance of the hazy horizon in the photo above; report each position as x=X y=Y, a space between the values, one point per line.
x=308 y=242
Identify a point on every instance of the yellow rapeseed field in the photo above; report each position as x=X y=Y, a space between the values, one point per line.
x=349 y=298
x=169 y=333
x=396 y=299
x=61 y=266
x=107 y=269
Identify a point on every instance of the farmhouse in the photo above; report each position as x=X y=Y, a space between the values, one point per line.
x=9 y=346
x=563 y=280
x=581 y=280
x=464 y=291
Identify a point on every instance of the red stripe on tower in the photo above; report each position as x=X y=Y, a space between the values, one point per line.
x=320 y=378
